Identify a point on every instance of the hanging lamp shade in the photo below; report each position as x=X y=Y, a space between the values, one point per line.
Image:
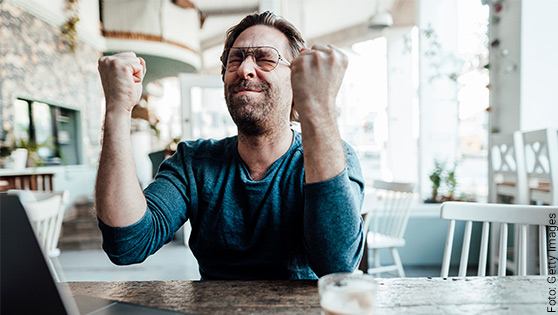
x=380 y=20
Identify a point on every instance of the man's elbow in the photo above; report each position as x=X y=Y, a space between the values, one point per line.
x=124 y=260
x=123 y=256
x=342 y=263
x=338 y=258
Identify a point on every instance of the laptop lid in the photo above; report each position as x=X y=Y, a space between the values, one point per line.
x=27 y=285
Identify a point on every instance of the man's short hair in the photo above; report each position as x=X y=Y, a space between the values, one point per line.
x=296 y=42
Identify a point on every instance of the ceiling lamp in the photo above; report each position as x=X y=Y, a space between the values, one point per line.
x=380 y=20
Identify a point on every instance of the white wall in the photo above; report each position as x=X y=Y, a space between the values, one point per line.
x=505 y=70
x=539 y=64
x=523 y=68
x=53 y=12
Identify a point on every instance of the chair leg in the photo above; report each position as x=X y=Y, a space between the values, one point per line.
x=376 y=257
x=363 y=266
x=376 y=261
x=54 y=268
x=397 y=260
x=516 y=251
x=494 y=241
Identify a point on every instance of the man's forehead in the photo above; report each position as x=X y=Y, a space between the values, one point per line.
x=262 y=35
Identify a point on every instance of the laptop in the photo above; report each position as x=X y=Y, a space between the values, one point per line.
x=27 y=285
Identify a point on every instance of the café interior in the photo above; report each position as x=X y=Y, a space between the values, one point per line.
x=443 y=101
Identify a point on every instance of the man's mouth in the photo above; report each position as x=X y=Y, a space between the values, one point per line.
x=246 y=91
x=248 y=88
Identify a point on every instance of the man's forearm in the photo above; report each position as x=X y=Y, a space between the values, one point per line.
x=316 y=76
x=119 y=200
x=324 y=155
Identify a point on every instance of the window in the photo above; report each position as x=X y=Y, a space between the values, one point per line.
x=401 y=110
x=362 y=105
x=49 y=130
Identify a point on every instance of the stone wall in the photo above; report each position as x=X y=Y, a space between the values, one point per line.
x=35 y=64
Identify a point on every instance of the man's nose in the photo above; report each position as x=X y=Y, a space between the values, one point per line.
x=247 y=69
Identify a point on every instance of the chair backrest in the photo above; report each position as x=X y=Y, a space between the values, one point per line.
x=541 y=159
x=389 y=208
x=504 y=214
x=507 y=167
x=46 y=212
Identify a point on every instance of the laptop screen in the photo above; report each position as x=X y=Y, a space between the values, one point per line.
x=27 y=286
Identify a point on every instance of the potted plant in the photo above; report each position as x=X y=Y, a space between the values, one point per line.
x=32 y=147
x=12 y=154
x=451 y=184
x=446 y=178
x=5 y=152
x=436 y=179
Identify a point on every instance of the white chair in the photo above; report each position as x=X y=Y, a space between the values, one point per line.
x=522 y=215
x=541 y=165
x=508 y=179
x=46 y=212
x=508 y=184
x=386 y=213
x=541 y=158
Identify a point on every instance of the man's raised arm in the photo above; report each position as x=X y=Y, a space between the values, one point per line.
x=119 y=200
x=316 y=77
x=333 y=181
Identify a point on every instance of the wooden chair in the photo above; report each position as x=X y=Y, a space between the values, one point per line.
x=385 y=219
x=522 y=215
x=541 y=160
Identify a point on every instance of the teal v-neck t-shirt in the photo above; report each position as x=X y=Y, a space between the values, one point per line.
x=276 y=228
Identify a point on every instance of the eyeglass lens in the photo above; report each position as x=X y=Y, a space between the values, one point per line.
x=266 y=57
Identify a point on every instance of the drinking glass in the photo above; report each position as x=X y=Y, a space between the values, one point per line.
x=347 y=294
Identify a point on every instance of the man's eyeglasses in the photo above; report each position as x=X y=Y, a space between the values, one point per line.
x=266 y=57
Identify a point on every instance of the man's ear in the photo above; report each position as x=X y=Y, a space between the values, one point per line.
x=294 y=113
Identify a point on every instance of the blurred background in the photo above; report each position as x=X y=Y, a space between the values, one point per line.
x=428 y=82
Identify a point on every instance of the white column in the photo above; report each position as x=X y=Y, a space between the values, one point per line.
x=539 y=64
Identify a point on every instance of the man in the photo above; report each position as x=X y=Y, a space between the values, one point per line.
x=270 y=203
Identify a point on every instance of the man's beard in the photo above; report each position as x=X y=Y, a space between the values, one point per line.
x=253 y=117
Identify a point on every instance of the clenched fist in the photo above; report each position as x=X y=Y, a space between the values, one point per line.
x=122 y=75
x=316 y=76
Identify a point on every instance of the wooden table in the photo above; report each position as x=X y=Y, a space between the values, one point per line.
x=506 y=295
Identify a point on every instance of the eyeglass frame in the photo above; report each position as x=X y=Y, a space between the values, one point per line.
x=245 y=55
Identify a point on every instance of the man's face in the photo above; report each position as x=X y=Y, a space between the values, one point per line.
x=259 y=101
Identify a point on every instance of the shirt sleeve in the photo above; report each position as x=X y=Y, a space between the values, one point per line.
x=167 y=200
x=333 y=227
